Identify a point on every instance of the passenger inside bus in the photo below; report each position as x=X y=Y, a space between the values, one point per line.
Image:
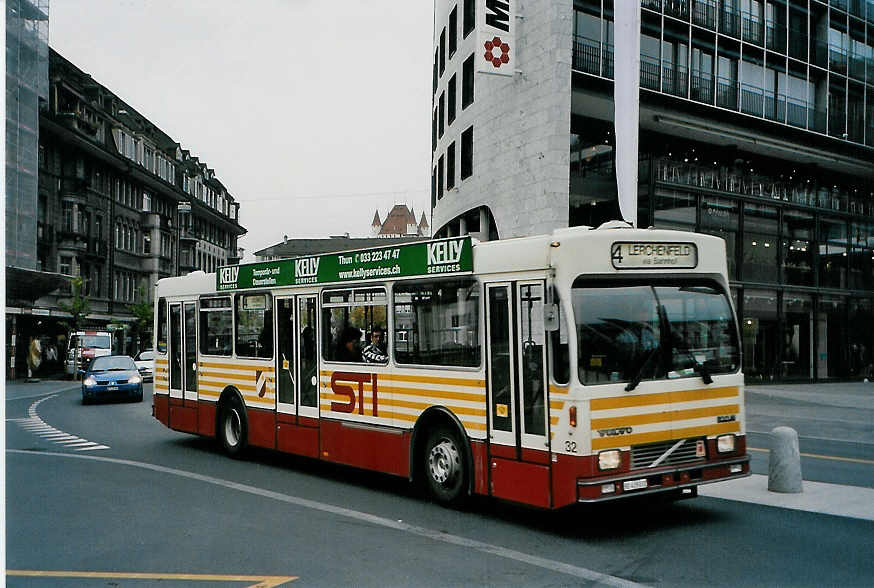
x=348 y=345
x=374 y=352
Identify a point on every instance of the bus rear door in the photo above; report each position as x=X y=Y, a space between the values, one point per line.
x=183 y=367
x=518 y=441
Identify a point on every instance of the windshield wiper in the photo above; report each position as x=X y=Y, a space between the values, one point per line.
x=633 y=382
x=118 y=369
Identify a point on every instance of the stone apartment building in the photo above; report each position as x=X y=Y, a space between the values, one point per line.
x=119 y=203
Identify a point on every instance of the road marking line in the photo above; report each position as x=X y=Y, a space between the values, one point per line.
x=263 y=581
x=488 y=548
x=35 y=425
x=818 y=456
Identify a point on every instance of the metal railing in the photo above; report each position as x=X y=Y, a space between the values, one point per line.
x=753 y=29
x=704 y=13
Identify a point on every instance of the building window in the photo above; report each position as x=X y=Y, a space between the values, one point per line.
x=467 y=83
x=147 y=244
x=434 y=131
x=433 y=187
x=440 y=178
x=147 y=202
x=68 y=216
x=442 y=51
x=469 y=16
x=467 y=153
x=450 y=167
x=450 y=110
x=434 y=81
x=441 y=110
x=66 y=265
x=453 y=31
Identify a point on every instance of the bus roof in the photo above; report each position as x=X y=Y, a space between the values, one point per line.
x=574 y=250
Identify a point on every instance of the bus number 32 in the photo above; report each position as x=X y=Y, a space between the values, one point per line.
x=340 y=387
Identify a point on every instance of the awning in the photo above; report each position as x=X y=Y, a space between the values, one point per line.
x=24 y=286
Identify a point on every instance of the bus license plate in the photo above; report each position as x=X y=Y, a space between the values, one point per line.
x=634 y=484
x=115 y=388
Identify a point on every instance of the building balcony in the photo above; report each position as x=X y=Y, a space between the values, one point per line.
x=97 y=248
x=189 y=235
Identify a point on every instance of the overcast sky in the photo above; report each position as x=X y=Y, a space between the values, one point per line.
x=312 y=113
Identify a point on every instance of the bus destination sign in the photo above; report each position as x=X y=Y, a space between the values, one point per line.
x=641 y=255
x=444 y=256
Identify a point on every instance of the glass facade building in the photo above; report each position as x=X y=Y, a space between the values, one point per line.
x=27 y=79
x=757 y=125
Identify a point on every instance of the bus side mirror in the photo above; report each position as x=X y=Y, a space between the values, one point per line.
x=550 y=317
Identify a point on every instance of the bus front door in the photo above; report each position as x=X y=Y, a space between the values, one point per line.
x=518 y=432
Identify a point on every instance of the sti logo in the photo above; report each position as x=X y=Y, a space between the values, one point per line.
x=307 y=267
x=228 y=276
x=445 y=252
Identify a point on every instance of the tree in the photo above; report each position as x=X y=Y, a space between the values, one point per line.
x=144 y=314
x=79 y=308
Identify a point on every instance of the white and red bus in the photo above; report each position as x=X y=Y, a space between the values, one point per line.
x=580 y=366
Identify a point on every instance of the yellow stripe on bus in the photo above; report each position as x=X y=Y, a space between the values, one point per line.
x=397 y=416
x=329 y=397
x=666 y=435
x=668 y=415
x=236 y=366
x=663 y=398
x=479 y=396
x=467 y=382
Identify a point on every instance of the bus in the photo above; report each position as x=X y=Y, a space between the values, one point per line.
x=584 y=365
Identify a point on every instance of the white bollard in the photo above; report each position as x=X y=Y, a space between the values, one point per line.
x=784 y=466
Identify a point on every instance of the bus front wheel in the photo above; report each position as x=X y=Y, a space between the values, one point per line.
x=233 y=427
x=445 y=467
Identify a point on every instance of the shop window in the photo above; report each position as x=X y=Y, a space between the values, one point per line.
x=759 y=243
x=797 y=248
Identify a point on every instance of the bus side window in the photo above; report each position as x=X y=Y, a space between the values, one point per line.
x=161 y=346
x=254 y=322
x=350 y=319
x=558 y=345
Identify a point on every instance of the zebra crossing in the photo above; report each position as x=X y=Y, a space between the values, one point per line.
x=34 y=424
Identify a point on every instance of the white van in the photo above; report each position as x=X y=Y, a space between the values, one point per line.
x=90 y=344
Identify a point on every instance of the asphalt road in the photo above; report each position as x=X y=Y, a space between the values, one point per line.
x=171 y=508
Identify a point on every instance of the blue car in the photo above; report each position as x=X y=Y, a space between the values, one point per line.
x=112 y=376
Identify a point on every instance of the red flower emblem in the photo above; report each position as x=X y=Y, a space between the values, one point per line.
x=495 y=46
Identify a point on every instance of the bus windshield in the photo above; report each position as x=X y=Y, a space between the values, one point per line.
x=629 y=333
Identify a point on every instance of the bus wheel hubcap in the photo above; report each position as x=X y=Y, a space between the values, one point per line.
x=444 y=462
x=232 y=427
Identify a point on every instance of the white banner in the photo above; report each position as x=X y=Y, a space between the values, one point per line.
x=496 y=28
x=626 y=102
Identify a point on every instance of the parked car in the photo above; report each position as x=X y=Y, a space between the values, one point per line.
x=145 y=361
x=112 y=376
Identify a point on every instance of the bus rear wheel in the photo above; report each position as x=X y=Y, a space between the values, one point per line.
x=233 y=428
x=445 y=467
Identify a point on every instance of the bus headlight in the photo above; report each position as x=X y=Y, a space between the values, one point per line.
x=725 y=443
x=609 y=460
